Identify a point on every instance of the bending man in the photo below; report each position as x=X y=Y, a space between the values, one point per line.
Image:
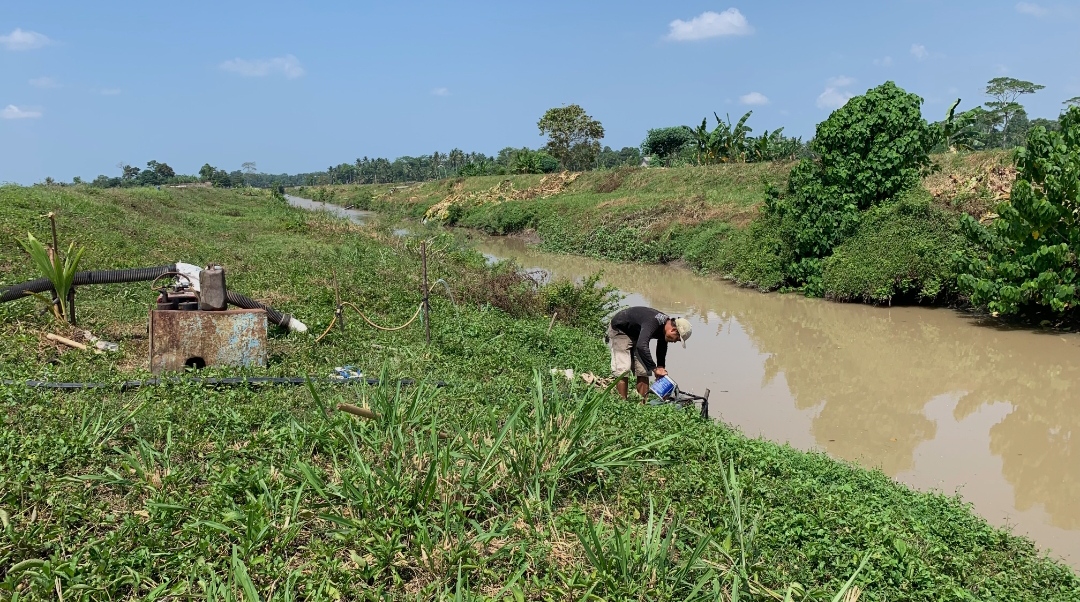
x=628 y=336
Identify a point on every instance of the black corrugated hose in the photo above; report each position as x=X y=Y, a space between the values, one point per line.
x=41 y=285
x=132 y=385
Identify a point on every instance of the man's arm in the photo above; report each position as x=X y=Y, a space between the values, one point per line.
x=661 y=352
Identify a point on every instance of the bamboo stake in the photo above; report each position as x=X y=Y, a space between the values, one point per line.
x=348 y=408
x=68 y=342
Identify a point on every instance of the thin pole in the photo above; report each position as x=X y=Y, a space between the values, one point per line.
x=54 y=256
x=71 y=305
x=427 y=321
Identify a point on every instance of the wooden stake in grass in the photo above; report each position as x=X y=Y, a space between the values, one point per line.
x=348 y=408
x=427 y=308
x=69 y=342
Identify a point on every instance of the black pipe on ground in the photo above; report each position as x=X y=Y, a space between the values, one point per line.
x=41 y=285
x=133 y=385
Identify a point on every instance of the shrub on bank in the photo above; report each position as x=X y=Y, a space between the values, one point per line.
x=899 y=251
x=756 y=256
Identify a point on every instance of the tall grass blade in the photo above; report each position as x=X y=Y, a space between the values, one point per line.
x=240 y=575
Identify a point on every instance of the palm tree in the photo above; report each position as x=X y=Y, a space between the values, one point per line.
x=436 y=161
x=457 y=159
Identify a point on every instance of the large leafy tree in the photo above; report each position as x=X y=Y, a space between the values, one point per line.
x=1030 y=251
x=130 y=173
x=868 y=151
x=1005 y=91
x=664 y=143
x=573 y=136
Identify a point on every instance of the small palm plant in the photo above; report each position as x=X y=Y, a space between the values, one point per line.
x=59 y=271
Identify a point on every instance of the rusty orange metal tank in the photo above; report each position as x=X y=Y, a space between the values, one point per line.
x=182 y=339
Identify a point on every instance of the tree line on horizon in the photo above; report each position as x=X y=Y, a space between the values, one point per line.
x=574 y=144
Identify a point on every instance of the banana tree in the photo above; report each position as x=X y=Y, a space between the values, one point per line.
x=730 y=141
x=957 y=131
x=762 y=147
x=702 y=141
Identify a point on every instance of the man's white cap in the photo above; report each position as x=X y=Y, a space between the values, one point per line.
x=683 y=326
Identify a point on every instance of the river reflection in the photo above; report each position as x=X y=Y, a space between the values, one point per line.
x=931 y=396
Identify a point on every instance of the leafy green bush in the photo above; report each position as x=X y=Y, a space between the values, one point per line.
x=584 y=304
x=902 y=249
x=868 y=151
x=324 y=194
x=529 y=161
x=361 y=198
x=1029 y=252
x=666 y=142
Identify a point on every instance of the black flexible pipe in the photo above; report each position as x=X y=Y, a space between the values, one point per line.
x=41 y=285
x=272 y=314
x=132 y=385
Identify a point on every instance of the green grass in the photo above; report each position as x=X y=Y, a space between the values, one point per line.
x=502 y=485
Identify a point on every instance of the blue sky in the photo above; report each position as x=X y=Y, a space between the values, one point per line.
x=84 y=86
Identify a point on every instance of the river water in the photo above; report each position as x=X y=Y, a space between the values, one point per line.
x=353 y=215
x=933 y=397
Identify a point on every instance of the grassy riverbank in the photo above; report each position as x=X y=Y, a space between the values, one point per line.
x=709 y=218
x=500 y=484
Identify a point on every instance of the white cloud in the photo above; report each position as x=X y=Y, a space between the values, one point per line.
x=885 y=62
x=14 y=112
x=754 y=98
x=1030 y=8
x=919 y=51
x=832 y=98
x=24 y=40
x=441 y=92
x=44 y=82
x=710 y=25
x=110 y=92
x=834 y=95
x=287 y=65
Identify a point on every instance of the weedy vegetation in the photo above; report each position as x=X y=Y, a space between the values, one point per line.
x=503 y=484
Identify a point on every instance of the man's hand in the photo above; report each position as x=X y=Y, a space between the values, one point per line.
x=660 y=372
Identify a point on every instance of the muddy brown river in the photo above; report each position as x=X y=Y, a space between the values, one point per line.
x=933 y=397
